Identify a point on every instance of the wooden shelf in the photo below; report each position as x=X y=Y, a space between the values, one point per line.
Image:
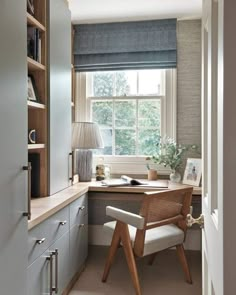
x=35 y=105
x=34 y=22
x=33 y=65
x=36 y=146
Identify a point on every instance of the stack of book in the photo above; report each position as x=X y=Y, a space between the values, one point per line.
x=34 y=43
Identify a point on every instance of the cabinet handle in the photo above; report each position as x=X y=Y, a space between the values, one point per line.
x=50 y=258
x=72 y=154
x=81 y=208
x=28 y=168
x=63 y=222
x=55 y=253
x=41 y=241
x=81 y=225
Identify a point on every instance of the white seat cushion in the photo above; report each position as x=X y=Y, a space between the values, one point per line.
x=156 y=239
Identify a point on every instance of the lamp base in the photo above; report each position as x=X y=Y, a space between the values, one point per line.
x=84 y=165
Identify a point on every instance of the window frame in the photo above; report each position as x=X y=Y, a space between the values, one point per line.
x=131 y=164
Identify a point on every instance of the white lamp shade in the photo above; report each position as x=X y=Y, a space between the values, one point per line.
x=86 y=135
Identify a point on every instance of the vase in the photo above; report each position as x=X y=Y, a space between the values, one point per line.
x=175 y=176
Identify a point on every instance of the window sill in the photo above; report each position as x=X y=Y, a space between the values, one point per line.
x=130 y=165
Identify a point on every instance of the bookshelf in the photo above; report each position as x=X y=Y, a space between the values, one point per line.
x=37 y=70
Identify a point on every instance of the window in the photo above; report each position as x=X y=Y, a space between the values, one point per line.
x=132 y=109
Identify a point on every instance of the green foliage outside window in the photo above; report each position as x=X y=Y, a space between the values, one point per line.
x=132 y=125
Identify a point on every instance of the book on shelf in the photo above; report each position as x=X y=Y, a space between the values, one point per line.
x=34 y=43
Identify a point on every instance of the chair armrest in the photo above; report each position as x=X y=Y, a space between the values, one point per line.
x=165 y=221
x=126 y=217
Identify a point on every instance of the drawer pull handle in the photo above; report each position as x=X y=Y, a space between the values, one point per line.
x=55 y=253
x=81 y=225
x=28 y=213
x=81 y=208
x=41 y=241
x=50 y=258
x=63 y=222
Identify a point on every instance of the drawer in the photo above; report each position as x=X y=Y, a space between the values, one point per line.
x=43 y=235
x=78 y=208
x=78 y=245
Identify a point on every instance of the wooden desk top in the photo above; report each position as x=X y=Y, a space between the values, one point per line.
x=96 y=186
x=42 y=208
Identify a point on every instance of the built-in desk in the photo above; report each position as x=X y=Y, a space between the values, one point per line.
x=71 y=219
x=42 y=208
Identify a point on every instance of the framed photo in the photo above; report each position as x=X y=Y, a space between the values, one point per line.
x=193 y=172
x=32 y=91
x=30 y=6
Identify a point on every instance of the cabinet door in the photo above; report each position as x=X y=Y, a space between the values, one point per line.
x=13 y=147
x=78 y=245
x=62 y=245
x=59 y=94
x=38 y=276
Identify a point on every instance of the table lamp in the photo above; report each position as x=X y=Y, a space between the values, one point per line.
x=85 y=136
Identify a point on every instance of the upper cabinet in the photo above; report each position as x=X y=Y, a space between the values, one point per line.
x=37 y=98
x=59 y=86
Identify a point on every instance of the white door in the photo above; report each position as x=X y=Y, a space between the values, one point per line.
x=219 y=147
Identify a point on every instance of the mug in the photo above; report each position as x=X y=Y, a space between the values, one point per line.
x=32 y=136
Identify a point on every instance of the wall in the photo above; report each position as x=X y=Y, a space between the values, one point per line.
x=189 y=82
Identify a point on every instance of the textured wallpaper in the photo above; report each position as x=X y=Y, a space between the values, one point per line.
x=189 y=82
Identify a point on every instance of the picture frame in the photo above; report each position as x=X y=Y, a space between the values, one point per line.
x=32 y=90
x=30 y=7
x=193 y=172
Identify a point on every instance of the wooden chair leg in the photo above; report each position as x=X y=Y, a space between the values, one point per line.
x=152 y=258
x=112 y=252
x=125 y=238
x=184 y=263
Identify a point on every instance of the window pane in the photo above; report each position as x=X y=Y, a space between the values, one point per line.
x=125 y=113
x=102 y=113
x=126 y=83
x=107 y=140
x=149 y=113
x=103 y=83
x=125 y=142
x=147 y=141
x=150 y=82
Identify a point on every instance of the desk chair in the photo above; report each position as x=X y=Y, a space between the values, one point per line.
x=160 y=225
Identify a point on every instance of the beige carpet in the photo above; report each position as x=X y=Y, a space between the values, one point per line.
x=164 y=277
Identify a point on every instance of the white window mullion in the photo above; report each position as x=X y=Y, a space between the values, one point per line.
x=137 y=128
x=113 y=127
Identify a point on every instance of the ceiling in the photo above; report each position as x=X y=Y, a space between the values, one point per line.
x=97 y=11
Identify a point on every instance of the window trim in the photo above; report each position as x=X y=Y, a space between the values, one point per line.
x=132 y=164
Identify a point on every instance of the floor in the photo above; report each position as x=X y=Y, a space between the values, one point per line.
x=164 y=277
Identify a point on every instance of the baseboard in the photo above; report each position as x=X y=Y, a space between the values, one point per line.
x=97 y=236
x=73 y=280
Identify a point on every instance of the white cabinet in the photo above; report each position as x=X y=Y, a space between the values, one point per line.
x=78 y=245
x=61 y=263
x=57 y=249
x=78 y=234
x=59 y=76
x=13 y=148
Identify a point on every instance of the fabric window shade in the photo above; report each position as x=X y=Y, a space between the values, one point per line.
x=125 y=45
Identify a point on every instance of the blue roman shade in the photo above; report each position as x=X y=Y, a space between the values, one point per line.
x=125 y=45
